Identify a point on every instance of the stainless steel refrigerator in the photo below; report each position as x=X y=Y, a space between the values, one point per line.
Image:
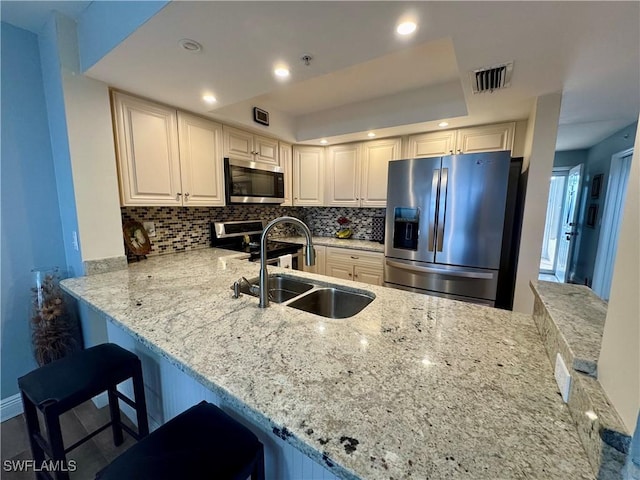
x=444 y=225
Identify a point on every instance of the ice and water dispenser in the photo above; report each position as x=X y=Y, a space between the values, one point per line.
x=405 y=228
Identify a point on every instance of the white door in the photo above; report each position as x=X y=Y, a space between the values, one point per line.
x=569 y=215
x=610 y=228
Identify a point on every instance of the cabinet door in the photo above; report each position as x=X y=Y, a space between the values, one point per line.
x=238 y=144
x=319 y=267
x=286 y=163
x=308 y=175
x=343 y=176
x=147 y=152
x=339 y=270
x=266 y=150
x=200 y=161
x=487 y=138
x=432 y=144
x=367 y=274
x=376 y=156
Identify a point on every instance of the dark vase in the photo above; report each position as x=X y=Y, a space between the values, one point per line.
x=55 y=329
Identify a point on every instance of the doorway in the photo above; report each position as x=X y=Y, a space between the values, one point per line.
x=560 y=224
x=610 y=226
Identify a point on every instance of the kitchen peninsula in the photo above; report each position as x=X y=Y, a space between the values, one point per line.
x=413 y=386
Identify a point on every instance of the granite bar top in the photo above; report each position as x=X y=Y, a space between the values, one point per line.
x=337 y=242
x=579 y=315
x=413 y=386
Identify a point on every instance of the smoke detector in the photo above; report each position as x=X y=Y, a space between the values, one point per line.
x=488 y=79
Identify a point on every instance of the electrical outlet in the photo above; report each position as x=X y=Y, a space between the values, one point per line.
x=150 y=228
x=563 y=378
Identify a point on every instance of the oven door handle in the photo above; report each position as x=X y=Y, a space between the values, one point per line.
x=440 y=271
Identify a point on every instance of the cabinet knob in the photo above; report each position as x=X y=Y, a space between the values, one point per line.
x=350 y=275
x=355 y=276
x=179 y=194
x=355 y=258
x=450 y=151
x=459 y=151
x=186 y=194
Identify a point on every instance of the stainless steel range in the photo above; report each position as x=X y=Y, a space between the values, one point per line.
x=244 y=236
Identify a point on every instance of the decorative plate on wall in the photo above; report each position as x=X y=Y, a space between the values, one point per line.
x=136 y=238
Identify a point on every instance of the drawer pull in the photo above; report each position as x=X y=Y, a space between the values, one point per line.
x=355 y=258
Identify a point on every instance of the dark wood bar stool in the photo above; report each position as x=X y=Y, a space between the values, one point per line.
x=66 y=383
x=202 y=442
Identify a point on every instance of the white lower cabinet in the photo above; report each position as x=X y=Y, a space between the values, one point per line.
x=358 y=265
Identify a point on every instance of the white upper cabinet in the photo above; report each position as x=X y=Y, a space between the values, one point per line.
x=343 y=175
x=432 y=144
x=165 y=157
x=286 y=163
x=357 y=173
x=147 y=152
x=308 y=175
x=376 y=156
x=200 y=161
x=242 y=145
x=487 y=138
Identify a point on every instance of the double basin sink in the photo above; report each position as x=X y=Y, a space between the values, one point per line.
x=303 y=294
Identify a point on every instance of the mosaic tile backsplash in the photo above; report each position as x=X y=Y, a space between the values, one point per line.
x=181 y=228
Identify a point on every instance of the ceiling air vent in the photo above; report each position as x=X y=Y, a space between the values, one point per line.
x=491 y=78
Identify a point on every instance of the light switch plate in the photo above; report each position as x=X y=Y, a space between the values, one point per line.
x=563 y=378
x=150 y=228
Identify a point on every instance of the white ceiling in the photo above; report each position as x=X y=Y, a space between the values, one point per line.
x=364 y=77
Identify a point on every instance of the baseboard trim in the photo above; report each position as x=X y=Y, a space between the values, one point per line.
x=10 y=407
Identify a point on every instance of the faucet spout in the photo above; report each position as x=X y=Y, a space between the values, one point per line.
x=264 y=276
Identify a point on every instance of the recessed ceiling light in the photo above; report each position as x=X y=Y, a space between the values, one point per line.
x=323 y=141
x=443 y=124
x=282 y=72
x=190 y=45
x=406 y=28
x=371 y=134
x=209 y=98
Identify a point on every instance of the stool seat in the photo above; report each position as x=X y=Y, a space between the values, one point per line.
x=202 y=442
x=70 y=381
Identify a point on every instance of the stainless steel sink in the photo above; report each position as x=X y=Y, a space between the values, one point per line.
x=332 y=302
x=317 y=298
x=281 y=288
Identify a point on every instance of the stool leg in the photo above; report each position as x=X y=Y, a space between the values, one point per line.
x=52 y=421
x=258 y=466
x=116 y=421
x=33 y=429
x=141 y=404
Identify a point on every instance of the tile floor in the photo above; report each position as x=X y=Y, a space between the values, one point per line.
x=90 y=456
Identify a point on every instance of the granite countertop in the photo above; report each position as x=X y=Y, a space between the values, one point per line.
x=337 y=242
x=580 y=316
x=413 y=386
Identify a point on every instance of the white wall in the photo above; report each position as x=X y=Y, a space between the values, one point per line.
x=92 y=153
x=539 y=150
x=619 y=363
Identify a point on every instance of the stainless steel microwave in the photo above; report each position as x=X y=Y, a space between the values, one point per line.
x=250 y=182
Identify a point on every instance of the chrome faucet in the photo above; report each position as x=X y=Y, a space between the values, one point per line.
x=310 y=254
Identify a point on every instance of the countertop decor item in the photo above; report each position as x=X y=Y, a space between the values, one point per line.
x=344 y=231
x=55 y=330
x=136 y=238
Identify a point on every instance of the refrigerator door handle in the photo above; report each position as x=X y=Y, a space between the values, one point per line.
x=442 y=207
x=441 y=271
x=432 y=208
